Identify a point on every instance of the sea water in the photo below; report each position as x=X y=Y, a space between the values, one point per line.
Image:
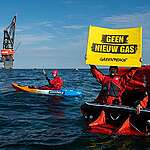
x=38 y=122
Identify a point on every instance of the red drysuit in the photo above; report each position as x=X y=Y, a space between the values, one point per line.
x=137 y=83
x=112 y=86
x=55 y=84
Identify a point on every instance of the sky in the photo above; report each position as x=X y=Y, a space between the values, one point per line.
x=53 y=33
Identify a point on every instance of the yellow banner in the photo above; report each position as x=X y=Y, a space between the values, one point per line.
x=114 y=47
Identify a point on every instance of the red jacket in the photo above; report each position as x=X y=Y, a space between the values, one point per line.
x=137 y=83
x=134 y=84
x=56 y=83
x=112 y=87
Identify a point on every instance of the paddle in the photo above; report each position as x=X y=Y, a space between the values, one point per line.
x=45 y=74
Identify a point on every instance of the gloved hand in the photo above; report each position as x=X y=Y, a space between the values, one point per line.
x=138 y=109
x=44 y=73
x=92 y=66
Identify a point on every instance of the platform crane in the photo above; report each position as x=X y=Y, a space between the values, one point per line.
x=7 y=53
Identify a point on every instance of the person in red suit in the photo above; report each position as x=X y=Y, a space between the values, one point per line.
x=54 y=84
x=113 y=85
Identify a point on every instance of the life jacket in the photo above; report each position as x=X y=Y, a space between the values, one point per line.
x=56 y=83
x=112 y=87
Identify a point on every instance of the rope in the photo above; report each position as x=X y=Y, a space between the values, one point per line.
x=113 y=118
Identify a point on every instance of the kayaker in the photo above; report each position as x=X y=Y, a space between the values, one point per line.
x=54 y=84
x=113 y=85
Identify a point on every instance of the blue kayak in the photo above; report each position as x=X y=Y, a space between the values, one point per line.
x=62 y=92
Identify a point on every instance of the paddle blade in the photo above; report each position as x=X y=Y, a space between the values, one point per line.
x=44 y=72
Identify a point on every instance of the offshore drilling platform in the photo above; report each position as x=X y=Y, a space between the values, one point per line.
x=7 y=53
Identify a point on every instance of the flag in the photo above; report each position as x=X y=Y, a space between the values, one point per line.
x=114 y=47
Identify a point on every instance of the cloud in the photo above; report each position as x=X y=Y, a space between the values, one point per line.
x=33 y=33
x=52 y=43
x=134 y=20
x=74 y=27
x=29 y=39
x=70 y=2
x=44 y=24
x=34 y=26
x=23 y=28
x=130 y=20
x=47 y=31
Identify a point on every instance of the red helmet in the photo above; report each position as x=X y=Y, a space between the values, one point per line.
x=55 y=72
